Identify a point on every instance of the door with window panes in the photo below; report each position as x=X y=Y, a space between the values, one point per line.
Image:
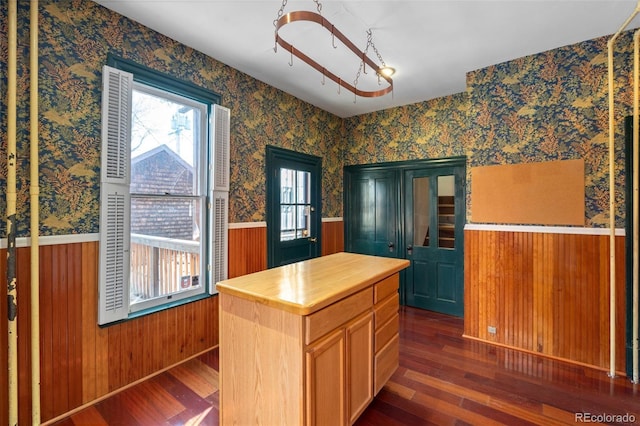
x=293 y=206
x=434 y=218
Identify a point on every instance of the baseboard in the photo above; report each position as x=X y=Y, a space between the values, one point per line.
x=552 y=357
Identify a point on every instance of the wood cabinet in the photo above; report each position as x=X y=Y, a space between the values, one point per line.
x=386 y=305
x=326 y=381
x=359 y=339
x=339 y=374
x=308 y=343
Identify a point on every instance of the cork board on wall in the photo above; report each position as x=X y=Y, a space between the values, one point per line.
x=548 y=193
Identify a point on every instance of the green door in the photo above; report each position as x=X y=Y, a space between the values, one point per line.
x=434 y=226
x=371 y=206
x=294 y=211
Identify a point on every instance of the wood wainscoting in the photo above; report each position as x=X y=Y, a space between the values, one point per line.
x=546 y=293
x=332 y=236
x=81 y=362
x=247 y=249
x=248 y=245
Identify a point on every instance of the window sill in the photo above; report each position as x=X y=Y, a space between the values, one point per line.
x=165 y=306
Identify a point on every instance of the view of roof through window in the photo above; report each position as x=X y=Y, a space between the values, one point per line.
x=159 y=121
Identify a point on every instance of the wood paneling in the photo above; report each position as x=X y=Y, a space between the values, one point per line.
x=79 y=360
x=247 y=250
x=332 y=237
x=544 y=293
x=248 y=246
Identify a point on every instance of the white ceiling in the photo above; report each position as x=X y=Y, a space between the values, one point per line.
x=431 y=43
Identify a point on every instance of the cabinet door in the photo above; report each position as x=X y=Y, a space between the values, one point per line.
x=359 y=335
x=325 y=381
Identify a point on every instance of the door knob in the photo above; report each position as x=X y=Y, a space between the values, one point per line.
x=312 y=239
x=409 y=249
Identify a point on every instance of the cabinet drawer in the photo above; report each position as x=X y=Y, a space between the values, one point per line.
x=386 y=363
x=333 y=316
x=386 y=332
x=386 y=309
x=385 y=288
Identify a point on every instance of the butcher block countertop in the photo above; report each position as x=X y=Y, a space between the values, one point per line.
x=306 y=287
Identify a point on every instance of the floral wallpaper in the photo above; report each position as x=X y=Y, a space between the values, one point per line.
x=554 y=106
x=431 y=129
x=75 y=38
x=543 y=107
x=548 y=106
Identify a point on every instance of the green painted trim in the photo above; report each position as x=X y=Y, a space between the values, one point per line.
x=159 y=80
x=410 y=164
x=274 y=159
x=628 y=160
x=165 y=306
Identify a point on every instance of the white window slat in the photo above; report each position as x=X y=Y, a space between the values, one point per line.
x=113 y=294
x=115 y=201
x=221 y=122
x=116 y=124
x=219 y=237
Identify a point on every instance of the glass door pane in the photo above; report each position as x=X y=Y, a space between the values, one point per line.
x=295 y=204
x=421 y=211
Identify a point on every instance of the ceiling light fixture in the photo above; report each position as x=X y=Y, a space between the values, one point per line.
x=382 y=71
x=388 y=71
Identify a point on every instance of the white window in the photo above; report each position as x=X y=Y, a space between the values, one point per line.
x=295 y=204
x=164 y=193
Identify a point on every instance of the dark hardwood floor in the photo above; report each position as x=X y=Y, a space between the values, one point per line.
x=443 y=379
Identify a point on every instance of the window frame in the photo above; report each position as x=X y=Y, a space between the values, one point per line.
x=156 y=82
x=199 y=193
x=157 y=79
x=295 y=204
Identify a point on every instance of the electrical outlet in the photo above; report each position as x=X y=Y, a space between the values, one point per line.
x=491 y=329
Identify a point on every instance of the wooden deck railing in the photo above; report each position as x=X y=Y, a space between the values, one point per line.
x=161 y=266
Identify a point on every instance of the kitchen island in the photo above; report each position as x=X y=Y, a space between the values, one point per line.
x=309 y=343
